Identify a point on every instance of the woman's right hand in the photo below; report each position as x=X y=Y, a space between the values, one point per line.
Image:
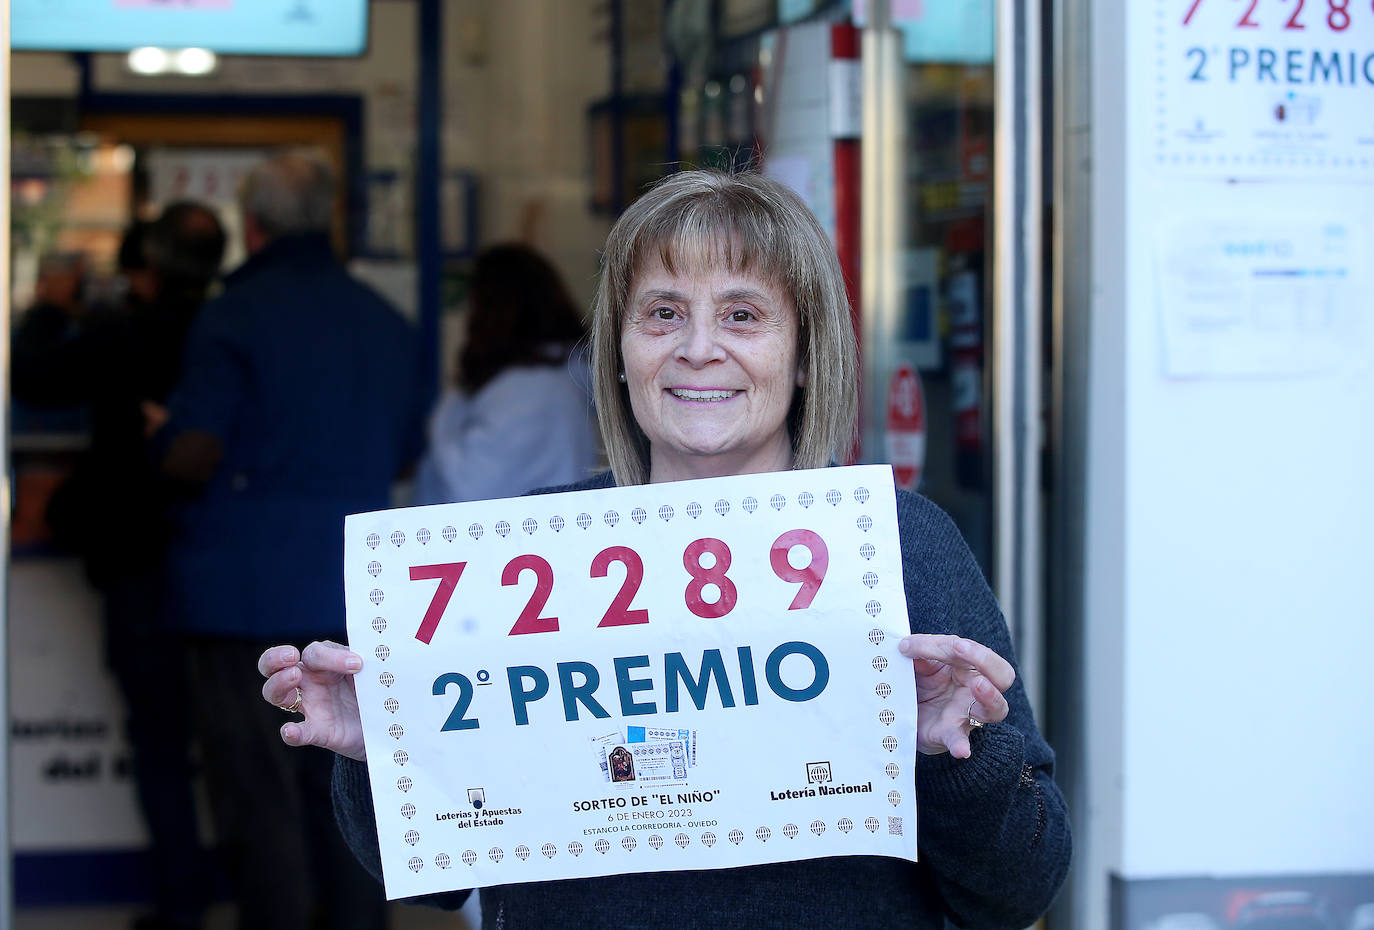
x=323 y=672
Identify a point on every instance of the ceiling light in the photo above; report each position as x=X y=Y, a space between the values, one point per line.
x=149 y=60
x=194 y=61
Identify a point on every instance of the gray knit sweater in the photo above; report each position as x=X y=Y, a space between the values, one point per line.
x=993 y=833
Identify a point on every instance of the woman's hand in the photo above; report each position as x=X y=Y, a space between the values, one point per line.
x=956 y=679
x=323 y=673
x=155 y=417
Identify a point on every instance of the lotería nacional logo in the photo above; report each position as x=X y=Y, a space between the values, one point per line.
x=477 y=797
x=817 y=773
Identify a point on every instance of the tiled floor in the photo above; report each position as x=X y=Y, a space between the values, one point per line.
x=403 y=917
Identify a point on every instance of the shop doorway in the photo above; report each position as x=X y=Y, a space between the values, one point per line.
x=203 y=157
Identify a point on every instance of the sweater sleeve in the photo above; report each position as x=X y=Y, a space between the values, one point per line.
x=353 y=812
x=992 y=828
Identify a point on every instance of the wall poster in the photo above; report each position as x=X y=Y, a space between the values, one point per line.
x=1264 y=88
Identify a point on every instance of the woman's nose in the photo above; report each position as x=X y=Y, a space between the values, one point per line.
x=700 y=343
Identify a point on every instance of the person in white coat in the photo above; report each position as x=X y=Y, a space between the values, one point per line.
x=520 y=415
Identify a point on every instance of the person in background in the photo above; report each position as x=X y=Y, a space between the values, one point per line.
x=521 y=414
x=300 y=404
x=723 y=345
x=112 y=510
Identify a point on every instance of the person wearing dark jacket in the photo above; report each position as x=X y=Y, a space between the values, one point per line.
x=723 y=345
x=299 y=404
x=112 y=510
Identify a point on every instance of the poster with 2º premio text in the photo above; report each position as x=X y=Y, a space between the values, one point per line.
x=691 y=675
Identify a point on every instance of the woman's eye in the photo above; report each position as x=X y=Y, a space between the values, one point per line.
x=663 y=313
x=741 y=316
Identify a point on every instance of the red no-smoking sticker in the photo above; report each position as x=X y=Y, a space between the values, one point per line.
x=905 y=436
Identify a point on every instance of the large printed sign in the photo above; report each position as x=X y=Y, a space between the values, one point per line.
x=1264 y=88
x=692 y=675
x=70 y=772
x=250 y=27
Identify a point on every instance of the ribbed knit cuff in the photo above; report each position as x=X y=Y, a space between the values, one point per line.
x=991 y=771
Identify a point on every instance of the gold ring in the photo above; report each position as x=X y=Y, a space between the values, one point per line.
x=295 y=706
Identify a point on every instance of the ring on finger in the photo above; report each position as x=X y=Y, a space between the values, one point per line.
x=295 y=706
x=973 y=721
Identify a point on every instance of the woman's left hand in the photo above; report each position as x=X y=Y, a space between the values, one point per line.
x=956 y=679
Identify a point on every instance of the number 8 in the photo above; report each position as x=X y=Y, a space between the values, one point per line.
x=702 y=576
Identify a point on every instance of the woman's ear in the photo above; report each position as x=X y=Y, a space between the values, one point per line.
x=801 y=373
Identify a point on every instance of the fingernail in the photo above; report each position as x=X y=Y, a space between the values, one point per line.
x=353 y=663
x=904 y=646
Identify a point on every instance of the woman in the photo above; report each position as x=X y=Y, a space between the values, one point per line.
x=521 y=415
x=722 y=345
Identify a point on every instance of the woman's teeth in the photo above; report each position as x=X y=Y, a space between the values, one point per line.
x=689 y=394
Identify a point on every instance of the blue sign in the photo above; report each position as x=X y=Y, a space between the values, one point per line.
x=243 y=27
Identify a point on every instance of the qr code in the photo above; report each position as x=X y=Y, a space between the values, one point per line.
x=894 y=826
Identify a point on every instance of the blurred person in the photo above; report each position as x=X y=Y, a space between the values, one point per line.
x=61 y=283
x=299 y=404
x=141 y=282
x=520 y=415
x=723 y=345
x=112 y=510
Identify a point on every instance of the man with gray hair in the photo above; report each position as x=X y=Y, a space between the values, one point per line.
x=299 y=404
x=292 y=194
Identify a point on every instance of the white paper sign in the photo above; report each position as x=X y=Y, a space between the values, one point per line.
x=1266 y=296
x=694 y=675
x=1262 y=88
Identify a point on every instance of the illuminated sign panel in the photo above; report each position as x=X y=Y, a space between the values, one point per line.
x=246 y=27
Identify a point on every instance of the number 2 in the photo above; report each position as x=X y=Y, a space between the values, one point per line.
x=529 y=620
x=619 y=613
x=457 y=718
x=1201 y=56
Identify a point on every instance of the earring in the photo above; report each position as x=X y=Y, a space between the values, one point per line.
x=622 y=377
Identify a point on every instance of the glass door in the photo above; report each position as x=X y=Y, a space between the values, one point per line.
x=926 y=317
x=950 y=272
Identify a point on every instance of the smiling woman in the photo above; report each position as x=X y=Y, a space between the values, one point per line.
x=721 y=302
x=722 y=346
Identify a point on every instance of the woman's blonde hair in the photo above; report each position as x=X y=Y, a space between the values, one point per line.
x=750 y=223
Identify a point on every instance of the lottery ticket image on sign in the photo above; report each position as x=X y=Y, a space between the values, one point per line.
x=691 y=675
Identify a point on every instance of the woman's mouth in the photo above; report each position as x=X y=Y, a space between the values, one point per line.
x=710 y=395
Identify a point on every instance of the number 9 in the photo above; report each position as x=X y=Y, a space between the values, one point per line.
x=809 y=577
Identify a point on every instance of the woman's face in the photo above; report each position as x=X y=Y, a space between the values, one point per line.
x=711 y=365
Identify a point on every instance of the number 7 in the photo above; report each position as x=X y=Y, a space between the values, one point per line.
x=448 y=574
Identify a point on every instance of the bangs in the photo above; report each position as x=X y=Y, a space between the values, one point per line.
x=712 y=232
